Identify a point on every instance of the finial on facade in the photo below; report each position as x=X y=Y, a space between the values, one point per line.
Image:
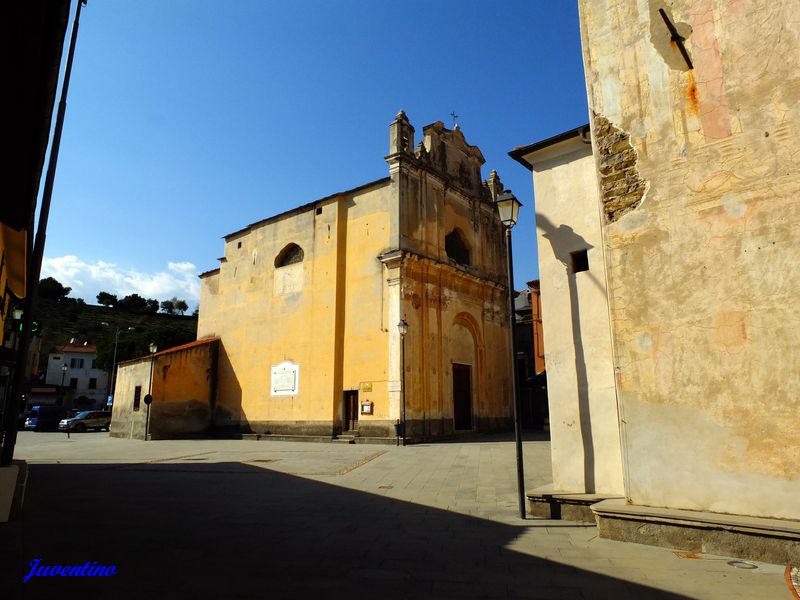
x=494 y=184
x=455 y=123
x=401 y=135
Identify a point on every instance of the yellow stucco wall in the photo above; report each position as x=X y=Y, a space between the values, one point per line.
x=12 y=274
x=701 y=237
x=125 y=421
x=454 y=319
x=455 y=316
x=182 y=383
x=183 y=390
x=325 y=313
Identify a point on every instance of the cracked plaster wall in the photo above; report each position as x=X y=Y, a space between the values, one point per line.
x=702 y=272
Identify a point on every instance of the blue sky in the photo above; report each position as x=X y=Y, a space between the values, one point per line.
x=189 y=119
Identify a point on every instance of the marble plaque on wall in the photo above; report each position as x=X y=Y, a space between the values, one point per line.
x=285 y=379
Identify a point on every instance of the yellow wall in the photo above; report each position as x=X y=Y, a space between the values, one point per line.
x=325 y=314
x=701 y=246
x=12 y=274
x=456 y=313
x=182 y=383
x=125 y=421
x=183 y=391
x=454 y=318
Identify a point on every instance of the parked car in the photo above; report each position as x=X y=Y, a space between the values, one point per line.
x=21 y=418
x=88 y=419
x=42 y=418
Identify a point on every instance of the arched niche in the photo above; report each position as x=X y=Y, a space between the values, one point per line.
x=291 y=254
x=456 y=247
x=289 y=273
x=467 y=365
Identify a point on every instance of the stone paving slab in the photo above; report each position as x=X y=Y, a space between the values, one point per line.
x=255 y=519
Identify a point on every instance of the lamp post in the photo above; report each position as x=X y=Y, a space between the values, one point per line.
x=112 y=379
x=148 y=399
x=508 y=209
x=402 y=327
x=64 y=369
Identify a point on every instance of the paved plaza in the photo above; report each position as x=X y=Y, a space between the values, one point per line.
x=269 y=519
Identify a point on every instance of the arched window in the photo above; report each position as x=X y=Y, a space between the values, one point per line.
x=456 y=248
x=291 y=254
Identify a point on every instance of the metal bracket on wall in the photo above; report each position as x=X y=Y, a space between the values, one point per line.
x=676 y=37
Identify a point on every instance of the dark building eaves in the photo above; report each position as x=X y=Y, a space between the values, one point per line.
x=36 y=31
x=304 y=207
x=519 y=153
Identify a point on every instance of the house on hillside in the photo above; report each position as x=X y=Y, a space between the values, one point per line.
x=73 y=369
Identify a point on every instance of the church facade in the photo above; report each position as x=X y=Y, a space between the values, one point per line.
x=307 y=303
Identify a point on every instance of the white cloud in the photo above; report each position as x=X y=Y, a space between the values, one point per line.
x=88 y=279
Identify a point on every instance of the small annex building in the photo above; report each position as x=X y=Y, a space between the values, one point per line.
x=306 y=305
x=182 y=384
x=584 y=421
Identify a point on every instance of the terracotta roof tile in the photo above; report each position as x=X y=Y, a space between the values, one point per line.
x=88 y=348
x=171 y=350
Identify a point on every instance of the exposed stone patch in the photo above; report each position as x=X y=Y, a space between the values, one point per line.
x=621 y=186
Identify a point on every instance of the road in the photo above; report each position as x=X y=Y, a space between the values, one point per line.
x=267 y=519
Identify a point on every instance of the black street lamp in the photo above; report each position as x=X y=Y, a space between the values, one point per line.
x=402 y=327
x=508 y=209
x=64 y=370
x=148 y=399
x=112 y=379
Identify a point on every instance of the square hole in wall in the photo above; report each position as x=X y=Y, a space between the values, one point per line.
x=319 y=211
x=578 y=261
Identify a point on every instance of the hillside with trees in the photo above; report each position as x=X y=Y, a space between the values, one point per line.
x=59 y=318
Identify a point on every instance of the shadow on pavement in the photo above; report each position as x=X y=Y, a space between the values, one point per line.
x=232 y=530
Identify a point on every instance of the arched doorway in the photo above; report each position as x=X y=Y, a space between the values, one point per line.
x=465 y=370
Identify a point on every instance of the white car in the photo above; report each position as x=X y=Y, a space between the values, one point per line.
x=88 y=419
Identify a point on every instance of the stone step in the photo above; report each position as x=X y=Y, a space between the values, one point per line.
x=347 y=437
x=750 y=538
x=546 y=503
